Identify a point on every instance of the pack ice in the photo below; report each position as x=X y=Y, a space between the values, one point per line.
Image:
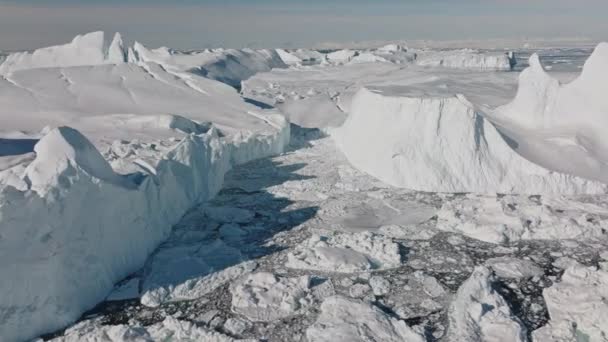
x=82 y=207
x=577 y=306
x=442 y=142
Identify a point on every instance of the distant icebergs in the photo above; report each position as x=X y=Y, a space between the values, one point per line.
x=467 y=59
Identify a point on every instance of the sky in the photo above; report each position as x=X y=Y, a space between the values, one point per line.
x=189 y=24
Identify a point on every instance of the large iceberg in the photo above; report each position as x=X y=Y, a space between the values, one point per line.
x=563 y=127
x=441 y=144
x=230 y=66
x=85 y=207
x=87 y=49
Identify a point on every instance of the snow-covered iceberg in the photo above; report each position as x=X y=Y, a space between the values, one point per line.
x=467 y=59
x=341 y=56
x=441 y=144
x=77 y=213
x=562 y=126
x=79 y=227
x=288 y=57
x=87 y=49
x=230 y=66
x=480 y=314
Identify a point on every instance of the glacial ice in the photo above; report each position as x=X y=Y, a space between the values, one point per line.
x=466 y=59
x=441 y=145
x=87 y=49
x=479 y=314
x=347 y=319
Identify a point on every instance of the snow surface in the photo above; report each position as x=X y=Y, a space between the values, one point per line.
x=466 y=59
x=293 y=247
x=229 y=66
x=341 y=56
x=353 y=320
x=87 y=49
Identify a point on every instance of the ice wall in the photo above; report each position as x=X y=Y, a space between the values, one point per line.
x=564 y=126
x=70 y=225
x=79 y=227
x=467 y=59
x=87 y=49
x=441 y=144
x=225 y=65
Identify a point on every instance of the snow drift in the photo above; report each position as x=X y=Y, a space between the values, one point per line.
x=288 y=57
x=441 y=145
x=562 y=126
x=225 y=65
x=577 y=306
x=87 y=49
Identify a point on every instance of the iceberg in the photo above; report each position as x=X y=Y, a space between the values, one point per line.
x=441 y=144
x=562 y=126
x=87 y=49
x=467 y=59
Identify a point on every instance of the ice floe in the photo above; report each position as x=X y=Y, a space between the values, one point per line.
x=441 y=145
x=354 y=320
x=479 y=313
x=263 y=296
x=345 y=252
